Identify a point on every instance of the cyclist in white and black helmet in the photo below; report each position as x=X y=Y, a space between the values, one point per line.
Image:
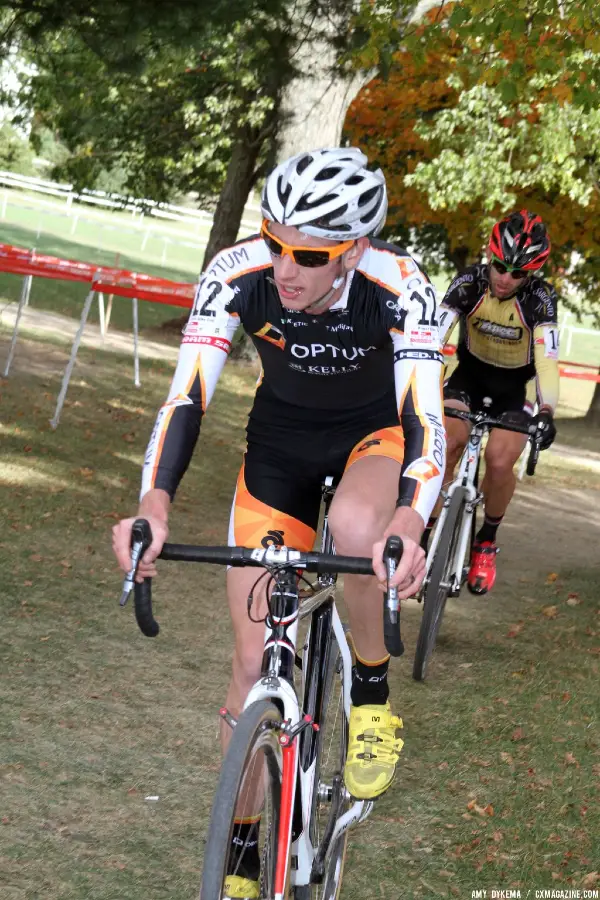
x=345 y=326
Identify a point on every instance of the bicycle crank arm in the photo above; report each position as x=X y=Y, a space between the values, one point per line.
x=357 y=813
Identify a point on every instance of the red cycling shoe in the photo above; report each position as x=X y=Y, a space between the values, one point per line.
x=482 y=573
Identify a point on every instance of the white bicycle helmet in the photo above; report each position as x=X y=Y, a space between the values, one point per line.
x=327 y=193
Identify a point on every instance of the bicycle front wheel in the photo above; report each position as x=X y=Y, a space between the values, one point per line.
x=250 y=776
x=438 y=586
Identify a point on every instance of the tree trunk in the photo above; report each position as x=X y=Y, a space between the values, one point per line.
x=593 y=414
x=239 y=180
x=316 y=101
x=459 y=258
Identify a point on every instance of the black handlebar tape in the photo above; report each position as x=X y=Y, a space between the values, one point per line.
x=391 y=632
x=142 y=596
x=242 y=556
x=142 y=592
x=533 y=457
x=391 y=619
x=342 y=565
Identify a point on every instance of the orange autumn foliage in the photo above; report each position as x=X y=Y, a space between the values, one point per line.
x=381 y=121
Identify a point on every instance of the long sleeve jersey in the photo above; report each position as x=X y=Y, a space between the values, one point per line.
x=381 y=335
x=519 y=334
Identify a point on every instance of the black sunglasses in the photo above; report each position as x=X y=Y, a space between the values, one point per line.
x=501 y=269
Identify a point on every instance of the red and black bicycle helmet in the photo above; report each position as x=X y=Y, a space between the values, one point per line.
x=521 y=241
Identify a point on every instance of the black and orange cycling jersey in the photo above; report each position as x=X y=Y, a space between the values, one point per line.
x=363 y=377
x=504 y=343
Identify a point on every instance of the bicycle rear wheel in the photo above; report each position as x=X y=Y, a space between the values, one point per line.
x=438 y=587
x=254 y=756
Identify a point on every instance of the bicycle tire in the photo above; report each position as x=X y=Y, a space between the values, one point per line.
x=332 y=748
x=436 y=594
x=257 y=731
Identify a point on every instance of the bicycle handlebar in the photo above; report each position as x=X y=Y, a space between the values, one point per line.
x=482 y=418
x=271 y=557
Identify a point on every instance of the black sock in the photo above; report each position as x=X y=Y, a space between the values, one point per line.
x=427 y=533
x=488 y=530
x=369 y=682
x=243 y=854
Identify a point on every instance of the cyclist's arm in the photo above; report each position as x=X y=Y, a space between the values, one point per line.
x=458 y=301
x=545 y=350
x=202 y=355
x=418 y=376
x=448 y=319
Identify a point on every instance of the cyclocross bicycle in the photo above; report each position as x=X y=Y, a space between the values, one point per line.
x=455 y=531
x=288 y=747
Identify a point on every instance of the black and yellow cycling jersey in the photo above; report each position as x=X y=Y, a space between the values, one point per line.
x=362 y=378
x=504 y=343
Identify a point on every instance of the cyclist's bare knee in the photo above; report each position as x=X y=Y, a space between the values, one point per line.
x=355 y=527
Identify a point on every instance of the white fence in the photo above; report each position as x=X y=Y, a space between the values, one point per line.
x=566 y=332
x=148 y=218
x=137 y=206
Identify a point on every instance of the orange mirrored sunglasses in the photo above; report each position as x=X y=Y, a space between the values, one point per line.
x=310 y=257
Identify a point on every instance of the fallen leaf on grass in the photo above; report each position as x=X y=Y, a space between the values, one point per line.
x=480 y=810
x=465 y=665
x=551 y=577
x=27 y=583
x=129 y=437
x=573 y=600
x=66 y=564
x=570 y=760
x=550 y=612
x=515 y=630
x=591 y=879
x=87 y=473
x=35 y=557
x=565 y=696
x=517 y=735
x=45 y=638
x=506 y=757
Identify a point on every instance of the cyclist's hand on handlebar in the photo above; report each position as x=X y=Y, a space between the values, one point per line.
x=121 y=543
x=410 y=573
x=546 y=429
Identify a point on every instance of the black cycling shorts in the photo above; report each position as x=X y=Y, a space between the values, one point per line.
x=507 y=396
x=278 y=493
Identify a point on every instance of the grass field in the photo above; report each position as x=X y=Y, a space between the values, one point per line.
x=109 y=239
x=500 y=777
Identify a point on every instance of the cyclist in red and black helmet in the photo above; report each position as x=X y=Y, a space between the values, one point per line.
x=508 y=340
x=520 y=241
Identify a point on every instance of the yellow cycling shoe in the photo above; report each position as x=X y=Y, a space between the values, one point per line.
x=238 y=888
x=373 y=750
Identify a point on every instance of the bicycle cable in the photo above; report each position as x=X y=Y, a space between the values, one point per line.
x=274 y=576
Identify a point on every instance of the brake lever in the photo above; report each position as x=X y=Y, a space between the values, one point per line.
x=141 y=538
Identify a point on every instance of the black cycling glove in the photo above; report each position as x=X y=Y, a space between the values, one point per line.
x=546 y=429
